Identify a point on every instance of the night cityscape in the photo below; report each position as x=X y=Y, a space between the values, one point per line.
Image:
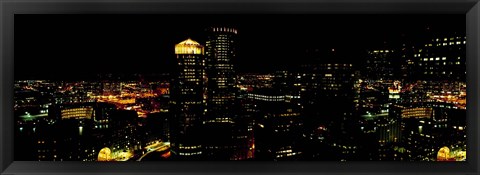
x=240 y=87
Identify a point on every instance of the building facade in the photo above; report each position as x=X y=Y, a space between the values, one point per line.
x=188 y=98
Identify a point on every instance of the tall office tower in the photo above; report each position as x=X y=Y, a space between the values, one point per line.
x=381 y=64
x=327 y=87
x=278 y=129
x=220 y=54
x=418 y=140
x=244 y=140
x=407 y=62
x=328 y=99
x=443 y=58
x=125 y=136
x=440 y=68
x=188 y=99
x=289 y=83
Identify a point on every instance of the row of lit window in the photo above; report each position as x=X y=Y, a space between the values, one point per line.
x=432 y=59
x=186 y=90
x=189 y=76
x=266 y=96
x=188 y=49
x=190 y=154
x=343 y=146
x=192 y=79
x=417 y=112
x=225 y=30
x=223 y=37
x=189 y=70
x=189 y=63
x=436 y=73
x=223 y=65
x=220 y=120
x=451 y=39
x=220 y=98
x=191 y=102
x=382 y=51
x=220 y=41
x=446 y=44
x=75 y=113
x=190 y=147
x=267 y=99
x=284 y=151
x=292 y=96
x=222 y=49
x=437 y=64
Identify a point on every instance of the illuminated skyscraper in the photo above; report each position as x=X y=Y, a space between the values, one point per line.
x=188 y=98
x=443 y=58
x=278 y=130
x=380 y=64
x=220 y=52
x=220 y=72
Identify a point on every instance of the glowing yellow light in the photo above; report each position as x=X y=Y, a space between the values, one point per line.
x=189 y=46
x=104 y=154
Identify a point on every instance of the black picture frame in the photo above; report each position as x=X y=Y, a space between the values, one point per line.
x=8 y=8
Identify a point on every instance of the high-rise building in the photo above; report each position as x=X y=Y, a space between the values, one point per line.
x=278 y=130
x=381 y=64
x=221 y=91
x=327 y=84
x=220 y=53
x=244 y=140
x=188 y=99
x=443 y=58
x=407 y=63
x=417 y=137
x=125 y=135
x=327 y=97
x=85 y=128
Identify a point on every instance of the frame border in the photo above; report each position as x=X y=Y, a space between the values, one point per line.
x=8 y=8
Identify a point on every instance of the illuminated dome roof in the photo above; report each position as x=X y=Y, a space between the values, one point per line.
x=443 y=154
x=188 y=46
x=188 y=42
x=104 y=154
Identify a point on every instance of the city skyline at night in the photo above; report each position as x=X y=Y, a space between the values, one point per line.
x=241 y=87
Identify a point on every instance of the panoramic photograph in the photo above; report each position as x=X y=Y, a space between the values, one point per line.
x=240 y=87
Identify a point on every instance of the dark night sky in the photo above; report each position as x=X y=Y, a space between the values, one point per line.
x=67 y=46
